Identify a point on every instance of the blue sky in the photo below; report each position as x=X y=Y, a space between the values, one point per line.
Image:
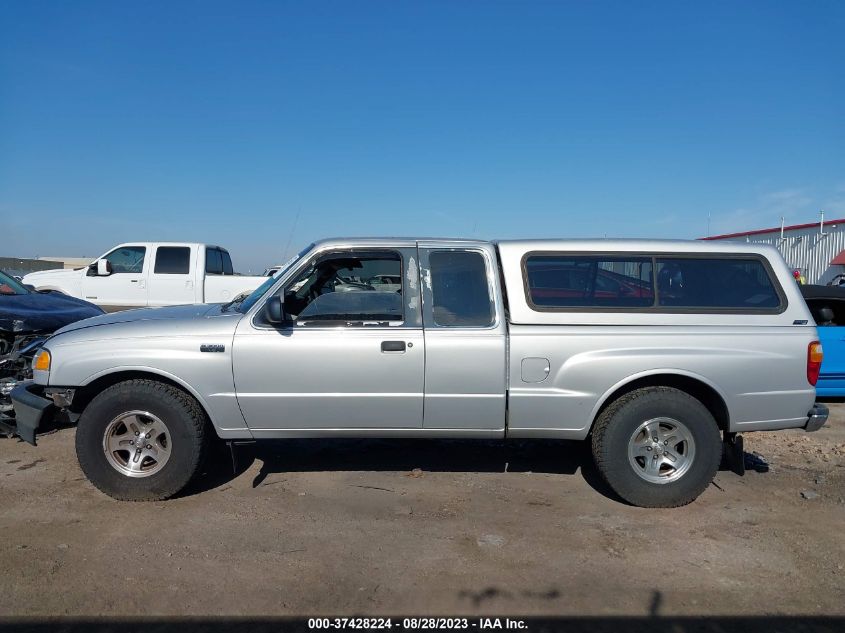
x=264 y=125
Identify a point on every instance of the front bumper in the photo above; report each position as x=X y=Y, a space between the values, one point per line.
x=31 y=409
x=815 y=419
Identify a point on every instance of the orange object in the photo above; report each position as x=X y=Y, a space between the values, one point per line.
x=814 y=362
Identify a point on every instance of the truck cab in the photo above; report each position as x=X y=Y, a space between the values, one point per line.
x=427 y=356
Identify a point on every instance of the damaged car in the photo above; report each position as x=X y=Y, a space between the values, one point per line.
x=27 y=319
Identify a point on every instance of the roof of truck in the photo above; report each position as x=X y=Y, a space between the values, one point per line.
x=629 y=244
x=393 y=241
x=594 y=244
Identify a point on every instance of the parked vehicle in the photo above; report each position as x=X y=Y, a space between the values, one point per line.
x=27 y=319
x=827 y=305
x=838 y=280
x=152 y=274
x=699 y=342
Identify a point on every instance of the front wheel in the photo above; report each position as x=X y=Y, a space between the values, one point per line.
x=657 y=447
x=141 y=440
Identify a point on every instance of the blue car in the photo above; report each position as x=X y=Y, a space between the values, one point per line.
x=827 y=304
x=27 y=319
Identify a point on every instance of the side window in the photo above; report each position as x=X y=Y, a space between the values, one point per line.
x=213 y=262
x=715 y=283
x=227 y=263
x=459 y=289
x=571 y=281
x=127 y=259
x=173 y=260
x=343 y=288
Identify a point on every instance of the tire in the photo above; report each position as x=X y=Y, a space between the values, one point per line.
x=626 y=454
x=167 y=424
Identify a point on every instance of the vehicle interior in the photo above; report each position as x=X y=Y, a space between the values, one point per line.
x=347 y=288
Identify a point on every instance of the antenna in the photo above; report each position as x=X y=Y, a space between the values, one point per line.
x=821 y=223
x=290 y=235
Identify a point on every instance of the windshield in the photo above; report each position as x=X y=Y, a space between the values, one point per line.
x=256 y=294
x=11 y=286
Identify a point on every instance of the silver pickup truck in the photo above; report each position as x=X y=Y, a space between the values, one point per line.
x=658 y=352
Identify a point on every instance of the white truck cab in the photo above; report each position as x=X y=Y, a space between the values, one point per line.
x=151 y=274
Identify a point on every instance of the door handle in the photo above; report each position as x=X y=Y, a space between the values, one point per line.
x=393 y=346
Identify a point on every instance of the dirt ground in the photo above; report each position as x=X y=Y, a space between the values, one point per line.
x=424 y=527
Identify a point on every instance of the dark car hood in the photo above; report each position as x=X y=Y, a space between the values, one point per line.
x=42 y=311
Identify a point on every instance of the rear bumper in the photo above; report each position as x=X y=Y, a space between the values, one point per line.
x=31 y=409
x=816 y=418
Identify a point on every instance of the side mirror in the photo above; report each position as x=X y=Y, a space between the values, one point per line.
x=273 y=310
x=103 y=268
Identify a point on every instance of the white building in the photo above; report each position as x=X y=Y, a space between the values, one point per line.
x=817 y=249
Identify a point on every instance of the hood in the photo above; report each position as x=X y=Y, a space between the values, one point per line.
x=42 y=311
x=184 y=313
x=51 y=273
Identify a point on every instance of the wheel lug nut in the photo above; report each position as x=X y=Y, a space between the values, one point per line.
x=648 y=448
x=136 y=433
x=149 y=446
x=665 y=442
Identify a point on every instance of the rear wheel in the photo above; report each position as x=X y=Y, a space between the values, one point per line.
x=657 y=447
x=141 y=440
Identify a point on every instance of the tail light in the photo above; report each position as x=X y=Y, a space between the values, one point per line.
x=814 y=361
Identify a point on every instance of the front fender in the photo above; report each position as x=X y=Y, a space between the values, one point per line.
x=221 y=408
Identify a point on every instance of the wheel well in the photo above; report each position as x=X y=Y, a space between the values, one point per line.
x=84 y=395
x=701 y=391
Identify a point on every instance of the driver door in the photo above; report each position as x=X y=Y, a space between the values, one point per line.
x=350 y=357
x=126 y=286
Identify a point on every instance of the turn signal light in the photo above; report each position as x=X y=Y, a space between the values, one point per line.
x=42 y=361
x=814 y=362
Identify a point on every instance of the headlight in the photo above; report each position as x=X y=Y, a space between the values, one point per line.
x=41 y=362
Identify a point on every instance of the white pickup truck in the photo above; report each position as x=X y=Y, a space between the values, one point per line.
x=150 y=274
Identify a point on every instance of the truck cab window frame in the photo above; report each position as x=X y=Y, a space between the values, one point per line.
x=213 y=261
x=337 y=280
x=172 y=260
x=454 y=301
x=127 y=264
